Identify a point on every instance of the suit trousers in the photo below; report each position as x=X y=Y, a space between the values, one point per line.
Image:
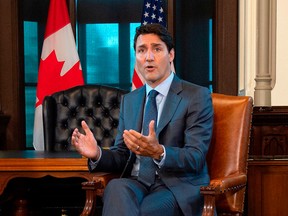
x=129 y=197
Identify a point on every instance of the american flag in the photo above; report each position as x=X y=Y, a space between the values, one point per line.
x=153 y=12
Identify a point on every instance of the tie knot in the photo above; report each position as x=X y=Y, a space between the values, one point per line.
x=153 y=93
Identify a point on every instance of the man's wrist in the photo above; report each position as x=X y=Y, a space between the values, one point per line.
x=161 y=156
x=98 y=154
x=160 y=153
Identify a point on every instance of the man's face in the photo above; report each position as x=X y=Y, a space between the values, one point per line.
x=153 y=59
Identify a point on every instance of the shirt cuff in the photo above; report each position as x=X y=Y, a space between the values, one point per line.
x=94 y=163
x=161 y=162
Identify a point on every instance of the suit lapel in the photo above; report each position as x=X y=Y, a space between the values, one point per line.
x=171 y=104
x=135 y=113
x=137 y=106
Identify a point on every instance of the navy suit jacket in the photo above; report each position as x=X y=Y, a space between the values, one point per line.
x=184 y=128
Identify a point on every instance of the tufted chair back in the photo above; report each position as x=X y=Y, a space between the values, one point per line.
x=63 y=111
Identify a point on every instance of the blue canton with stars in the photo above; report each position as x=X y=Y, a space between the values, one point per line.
x=153 y=12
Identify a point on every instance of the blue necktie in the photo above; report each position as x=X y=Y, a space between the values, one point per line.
x=147 y=166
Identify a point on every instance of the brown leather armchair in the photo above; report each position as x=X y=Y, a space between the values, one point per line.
x=227 y=159
x=227 y=156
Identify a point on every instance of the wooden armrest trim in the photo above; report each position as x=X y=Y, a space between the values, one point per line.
x=223 y=185
x=91 y=185
x=220 y=186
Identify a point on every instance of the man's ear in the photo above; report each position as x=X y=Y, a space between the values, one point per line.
x=172 y=54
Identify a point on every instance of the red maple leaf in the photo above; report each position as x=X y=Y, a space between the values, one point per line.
x=50 y=81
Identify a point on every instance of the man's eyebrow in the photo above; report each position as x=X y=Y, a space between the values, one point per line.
x=153 y=45
x=141 y=46
x=156 y=44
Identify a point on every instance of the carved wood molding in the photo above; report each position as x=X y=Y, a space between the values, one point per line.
x=269 y=139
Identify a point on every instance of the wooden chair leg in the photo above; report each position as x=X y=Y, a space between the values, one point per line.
x=21 y=207
x=209 y=205
x=90 y=204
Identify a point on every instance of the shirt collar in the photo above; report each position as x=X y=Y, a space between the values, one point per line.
x=163 y=87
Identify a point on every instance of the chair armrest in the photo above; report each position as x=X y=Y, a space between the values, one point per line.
x=104 y=180
x=220 y=186
x=95 y=188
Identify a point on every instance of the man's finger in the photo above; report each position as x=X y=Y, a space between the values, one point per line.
x=152 y=128
x=85 y=127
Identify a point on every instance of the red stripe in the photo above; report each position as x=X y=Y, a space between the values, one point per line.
x=136 y=80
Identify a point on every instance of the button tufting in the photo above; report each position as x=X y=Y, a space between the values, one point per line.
x=97 y=122
x=106 y=112
x=89 y=112
x=98 y=106
x=64 y=124
x=106 y=133
x=114 y=123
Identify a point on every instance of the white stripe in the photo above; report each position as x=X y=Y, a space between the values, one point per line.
x=38 y=135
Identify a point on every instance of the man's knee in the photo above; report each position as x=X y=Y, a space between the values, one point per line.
x=113 y=186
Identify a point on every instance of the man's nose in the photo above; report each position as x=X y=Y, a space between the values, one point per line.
x=149 y=55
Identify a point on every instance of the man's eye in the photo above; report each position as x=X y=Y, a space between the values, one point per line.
x=157 y=49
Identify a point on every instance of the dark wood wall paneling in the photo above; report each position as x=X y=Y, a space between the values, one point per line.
x=268 y=163
x=11 y=76
x=226 y=50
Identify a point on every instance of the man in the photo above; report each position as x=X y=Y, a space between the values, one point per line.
x=177 y=140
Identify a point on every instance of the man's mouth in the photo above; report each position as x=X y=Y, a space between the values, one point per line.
x=149 y=67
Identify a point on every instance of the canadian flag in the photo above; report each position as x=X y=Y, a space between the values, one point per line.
x=60 y=67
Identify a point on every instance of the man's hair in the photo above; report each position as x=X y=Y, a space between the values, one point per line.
x=156 y=29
